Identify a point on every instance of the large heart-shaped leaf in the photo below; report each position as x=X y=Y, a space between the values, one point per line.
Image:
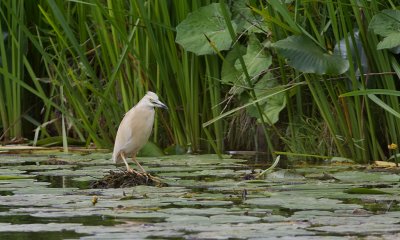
x=273 y=105
x=256 y=59
x=387 y=24
x=306 y=56
x=205 y=22
x=391 y=41
x=245 y=18
x=229 y=74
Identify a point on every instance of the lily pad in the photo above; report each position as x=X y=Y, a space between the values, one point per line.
x=196 y=211
x=189 y=219
x=208 y=200
x=301 y=203
x=233 y=219
x=357 y=176
x=9 y=177
x=364 y=191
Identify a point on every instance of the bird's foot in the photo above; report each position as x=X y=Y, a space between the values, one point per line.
x=131 y=170
x=144 y=174
x=140 y=174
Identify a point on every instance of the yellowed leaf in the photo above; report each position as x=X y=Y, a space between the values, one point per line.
x=385 y=164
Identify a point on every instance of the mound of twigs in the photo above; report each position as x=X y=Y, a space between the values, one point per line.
x=121 y=179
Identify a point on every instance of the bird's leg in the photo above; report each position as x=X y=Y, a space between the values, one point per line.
x=129 y=169
x=134 y=159
x=143 y=171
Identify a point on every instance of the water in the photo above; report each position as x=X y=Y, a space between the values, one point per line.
x=207 y=198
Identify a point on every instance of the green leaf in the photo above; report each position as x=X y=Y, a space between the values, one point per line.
x=256 y=59
x=150 y=150
x=384 y=105
x=271 y=106
x=391 y=41
x=366 y=177
x=225 y=114
x=301 y=202
x=306 y=56
x=10 y=177
x=387 y=24
x=364 y=191
x=58 y=141
x=205 y=22
x=175 y=149
x=245 y=19
x=229 y=74
x=371 y=91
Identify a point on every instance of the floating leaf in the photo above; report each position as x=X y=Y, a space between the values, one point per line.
x=285 y=174
x=218 y=219
x=364 y=191
x=210 y=203
x=355 y=176
x=385 y=164
x=367 y=228
x=301 y=203
x=196 y=211
x=9 y=177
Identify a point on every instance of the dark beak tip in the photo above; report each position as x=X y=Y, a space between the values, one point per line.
x=161 y=105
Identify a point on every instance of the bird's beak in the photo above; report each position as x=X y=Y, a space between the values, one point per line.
x=160 y=104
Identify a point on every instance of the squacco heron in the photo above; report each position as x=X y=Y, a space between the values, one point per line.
x=135 y=129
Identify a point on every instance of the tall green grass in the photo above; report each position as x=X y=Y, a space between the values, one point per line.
x=90 y=61
x=359 y=129
x=100 y=58
x=13 y=47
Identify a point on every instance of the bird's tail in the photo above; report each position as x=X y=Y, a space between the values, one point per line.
x=115 y=156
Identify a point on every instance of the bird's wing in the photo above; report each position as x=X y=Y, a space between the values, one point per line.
x=140 y=122
x=123 y=135
x=126 y=135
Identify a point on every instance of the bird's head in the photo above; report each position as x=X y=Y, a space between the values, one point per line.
x=153 y=101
